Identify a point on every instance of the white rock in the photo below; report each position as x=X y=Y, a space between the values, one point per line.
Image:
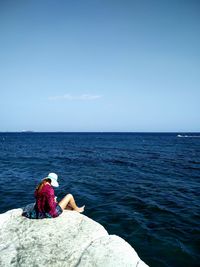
x=110 y=251
x=69 y=240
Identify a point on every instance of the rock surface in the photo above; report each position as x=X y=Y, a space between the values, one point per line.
x=69 y=240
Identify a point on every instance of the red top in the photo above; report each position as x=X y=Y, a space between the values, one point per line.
x=45 y=200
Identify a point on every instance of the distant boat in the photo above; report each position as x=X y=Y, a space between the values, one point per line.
x=179 y=135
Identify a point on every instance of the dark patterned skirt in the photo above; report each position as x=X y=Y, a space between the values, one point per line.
x=32 y=213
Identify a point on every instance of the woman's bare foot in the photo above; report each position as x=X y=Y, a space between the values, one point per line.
x=81 y=209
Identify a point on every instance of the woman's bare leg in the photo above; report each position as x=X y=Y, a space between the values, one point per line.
x=69 y=199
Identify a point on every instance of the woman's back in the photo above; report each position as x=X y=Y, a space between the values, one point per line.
x=45 y=199
x=45 y=205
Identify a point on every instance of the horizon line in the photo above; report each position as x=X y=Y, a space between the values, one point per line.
x=32 y=131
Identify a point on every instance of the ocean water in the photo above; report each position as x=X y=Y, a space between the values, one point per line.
x=142 y=187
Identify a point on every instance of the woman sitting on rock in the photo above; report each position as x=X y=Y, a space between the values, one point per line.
x=46 y=205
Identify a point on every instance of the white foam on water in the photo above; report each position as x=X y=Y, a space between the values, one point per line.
x=188 y=136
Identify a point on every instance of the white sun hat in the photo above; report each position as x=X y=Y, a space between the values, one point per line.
x=54 y=178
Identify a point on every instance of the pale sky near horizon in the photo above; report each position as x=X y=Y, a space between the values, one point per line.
x=100 y=65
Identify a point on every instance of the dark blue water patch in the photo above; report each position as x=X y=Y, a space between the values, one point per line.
x=143 y=187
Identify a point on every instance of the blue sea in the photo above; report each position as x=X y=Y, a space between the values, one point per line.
x=144 y=187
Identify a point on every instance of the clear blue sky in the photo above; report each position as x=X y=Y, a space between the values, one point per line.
x=100 y=65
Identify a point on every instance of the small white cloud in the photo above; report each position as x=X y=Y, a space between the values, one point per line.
x=83 y=97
